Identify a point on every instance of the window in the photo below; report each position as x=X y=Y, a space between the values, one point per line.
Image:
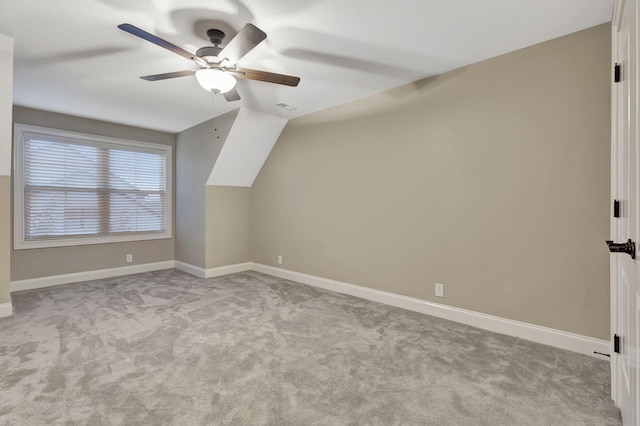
x=72 y=188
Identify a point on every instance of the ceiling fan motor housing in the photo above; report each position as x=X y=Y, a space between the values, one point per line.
x=209 y=54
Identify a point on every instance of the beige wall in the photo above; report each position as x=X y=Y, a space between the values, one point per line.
x=5 y=238
x=228 y=225
x=197 y=151
x=6 y=100
x=492 y=179
x=34 y=263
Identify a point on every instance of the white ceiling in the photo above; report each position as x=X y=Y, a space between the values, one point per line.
x=71 y=58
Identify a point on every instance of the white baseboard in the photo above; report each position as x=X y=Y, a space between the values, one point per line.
x=190 y=269
x=535 y=333
x=76 y=277
x=6 y=309
x=213 y=272
x=229 y=269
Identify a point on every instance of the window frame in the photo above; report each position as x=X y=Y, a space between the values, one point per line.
x=19 y=243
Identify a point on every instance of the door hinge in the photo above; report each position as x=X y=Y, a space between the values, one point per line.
x=616 y=208
x=616 y=73
x=616 y=343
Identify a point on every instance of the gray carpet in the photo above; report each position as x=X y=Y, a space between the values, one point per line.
x=250 y=349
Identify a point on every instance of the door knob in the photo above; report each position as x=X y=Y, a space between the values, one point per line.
x=629 y=247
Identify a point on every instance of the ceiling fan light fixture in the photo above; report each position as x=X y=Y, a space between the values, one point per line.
x=215 y=81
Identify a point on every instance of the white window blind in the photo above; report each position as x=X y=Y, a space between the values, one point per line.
x=79 y=190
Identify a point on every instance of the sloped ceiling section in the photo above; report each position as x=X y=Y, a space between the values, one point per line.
x=247 y=147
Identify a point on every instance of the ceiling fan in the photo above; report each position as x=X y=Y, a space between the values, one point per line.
x=218 y=70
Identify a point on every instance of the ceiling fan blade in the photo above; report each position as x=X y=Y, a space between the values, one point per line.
x=248 y=38
x=131 y=29
x=232 y=95
x=156 y=77
x=269 y=77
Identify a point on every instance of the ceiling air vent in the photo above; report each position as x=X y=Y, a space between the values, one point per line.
x=286 y=106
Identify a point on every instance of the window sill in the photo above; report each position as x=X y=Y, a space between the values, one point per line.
x=22 y=245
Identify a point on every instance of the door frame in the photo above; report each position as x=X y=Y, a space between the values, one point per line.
x=615 y=149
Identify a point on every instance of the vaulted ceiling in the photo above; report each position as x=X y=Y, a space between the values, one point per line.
x=70 y=57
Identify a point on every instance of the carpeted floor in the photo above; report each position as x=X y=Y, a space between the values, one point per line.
x=250 y=349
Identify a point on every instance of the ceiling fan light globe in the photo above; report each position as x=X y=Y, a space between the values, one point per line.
x=215 y=81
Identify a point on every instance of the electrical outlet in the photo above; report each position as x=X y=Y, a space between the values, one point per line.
x=129 y=258
x=279 y=260
x=439 y=290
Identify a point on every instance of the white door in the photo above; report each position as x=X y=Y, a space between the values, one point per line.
x=625 y=290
